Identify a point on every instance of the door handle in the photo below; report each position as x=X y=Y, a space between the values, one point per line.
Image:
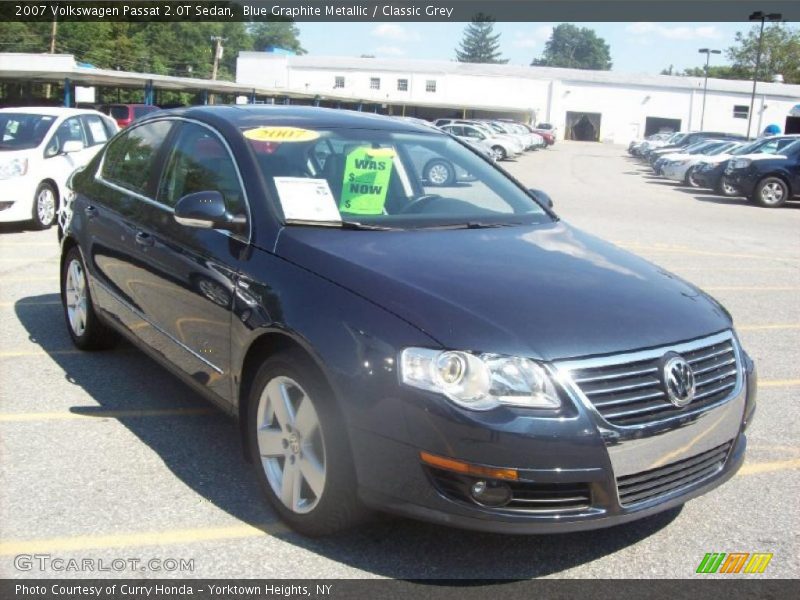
x=144 y=239
x=90 y=211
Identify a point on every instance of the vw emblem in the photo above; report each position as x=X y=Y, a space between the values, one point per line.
x=678 y=381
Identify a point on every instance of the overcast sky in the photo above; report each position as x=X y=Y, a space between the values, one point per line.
x=635 y=47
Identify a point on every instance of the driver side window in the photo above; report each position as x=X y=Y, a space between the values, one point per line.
x=69 y=130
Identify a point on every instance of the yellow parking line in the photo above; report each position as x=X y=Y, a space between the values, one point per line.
x=230 y=532
x=684 y=250
x=15 y=304
x=28 y=279
x=145 y=538
x=22 y=353
x=778 y=382
x=769 y=467
x=768 y=327
x=92 y=413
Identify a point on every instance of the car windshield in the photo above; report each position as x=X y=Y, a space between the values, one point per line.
x=386 y=179
x=724 y=147
x=22 y=131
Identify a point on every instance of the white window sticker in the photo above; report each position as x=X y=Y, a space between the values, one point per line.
x=307 y=200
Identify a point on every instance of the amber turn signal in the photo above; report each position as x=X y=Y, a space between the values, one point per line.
x=458 y=466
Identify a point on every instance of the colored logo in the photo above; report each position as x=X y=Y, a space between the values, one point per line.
x=679 y=381
x=735 y=562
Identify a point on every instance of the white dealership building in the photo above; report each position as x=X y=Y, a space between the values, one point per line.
x=603 y=105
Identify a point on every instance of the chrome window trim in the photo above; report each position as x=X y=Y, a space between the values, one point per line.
x=99 y=174
x=171 y=337
x=564 y=370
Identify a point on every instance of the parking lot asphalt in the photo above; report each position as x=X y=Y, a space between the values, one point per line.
x=107 y=456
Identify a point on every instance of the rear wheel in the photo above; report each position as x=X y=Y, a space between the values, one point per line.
x=45 y=203
x=771 y=192
x=85 y=328
x=300 y=447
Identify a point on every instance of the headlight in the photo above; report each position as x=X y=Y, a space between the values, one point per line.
x=740 y=163
x=479 y=382
x=16 y=167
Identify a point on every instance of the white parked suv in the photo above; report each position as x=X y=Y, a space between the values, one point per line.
x=40 y=147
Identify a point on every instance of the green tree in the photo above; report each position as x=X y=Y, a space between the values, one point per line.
x=480 y=44
x=575 y=48
x=282 y=34
x=780 y=54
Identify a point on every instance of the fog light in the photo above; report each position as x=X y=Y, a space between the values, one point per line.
x=491 y=493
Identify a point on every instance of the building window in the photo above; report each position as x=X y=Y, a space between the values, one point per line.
x=338 y=82
x=374 y=83
x=402 y=85
x=430 y=85
x=740 y=111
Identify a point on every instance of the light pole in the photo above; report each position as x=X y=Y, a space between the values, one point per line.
x=708 y=54
x=763 y=17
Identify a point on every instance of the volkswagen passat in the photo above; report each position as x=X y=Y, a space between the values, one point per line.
x=453 y=353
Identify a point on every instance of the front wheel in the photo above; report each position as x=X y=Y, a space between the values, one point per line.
x=300 y=447
x=45 y=204
x=689 y=179
x=440 y=173
x=771 y=192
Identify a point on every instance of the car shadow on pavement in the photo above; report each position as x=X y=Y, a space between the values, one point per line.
x=203 y=452
x=16 y=227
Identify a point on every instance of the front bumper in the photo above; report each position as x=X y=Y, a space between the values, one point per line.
x=578 y=448
x=18 y=191
x=708 y=179
x=742 y=180
x=674 y=172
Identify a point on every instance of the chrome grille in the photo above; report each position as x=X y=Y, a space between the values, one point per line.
x=653 y=483
x=631 y=392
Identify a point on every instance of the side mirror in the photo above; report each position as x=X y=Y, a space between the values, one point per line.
x=206 y=210
x=541 y=197
x=72 y=146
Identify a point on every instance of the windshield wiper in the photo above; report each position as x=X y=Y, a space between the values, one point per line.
x=355 y=225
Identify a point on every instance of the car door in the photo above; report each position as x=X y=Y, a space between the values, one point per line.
x=59 y=165
x=187 y=290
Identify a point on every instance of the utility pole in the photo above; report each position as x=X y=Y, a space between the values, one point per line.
x=53 y=33
x=218 y=50
x=708 y=52
x=758 y=16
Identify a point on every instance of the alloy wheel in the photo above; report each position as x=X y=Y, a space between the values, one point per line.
x=46 y=206
x=772 y=193
x=438 y=174
x=291 y=445
x=76 y=297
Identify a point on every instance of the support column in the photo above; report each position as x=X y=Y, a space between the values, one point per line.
x=67 y=92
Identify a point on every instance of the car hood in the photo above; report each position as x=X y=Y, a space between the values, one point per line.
x=544 y=291
x=12 y=154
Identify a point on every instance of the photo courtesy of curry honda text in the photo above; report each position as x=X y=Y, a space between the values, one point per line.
x=448 y=350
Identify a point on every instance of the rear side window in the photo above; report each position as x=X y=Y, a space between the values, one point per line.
x=98 y=132
x=200 y=162
x=130 y=158
x=119 y=112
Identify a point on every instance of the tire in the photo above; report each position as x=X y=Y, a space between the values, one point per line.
x=45 y=206
x=85 y=328
x=726 y=189
x=771 y=192
x=689 y=179
x=439 y=173
x=499 y=153
x=321 y=497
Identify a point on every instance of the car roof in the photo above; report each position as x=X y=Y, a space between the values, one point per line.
x=242 y=116
x=55 y=111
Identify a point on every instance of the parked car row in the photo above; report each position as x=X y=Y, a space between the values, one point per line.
x=506 y=139
x=765 y=171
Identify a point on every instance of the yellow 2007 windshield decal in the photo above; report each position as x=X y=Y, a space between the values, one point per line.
x=280 y=134
x=366 y=180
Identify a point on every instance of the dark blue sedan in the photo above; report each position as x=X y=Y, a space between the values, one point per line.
x=451 y=352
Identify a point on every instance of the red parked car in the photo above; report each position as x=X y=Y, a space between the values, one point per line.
x=125 y=114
